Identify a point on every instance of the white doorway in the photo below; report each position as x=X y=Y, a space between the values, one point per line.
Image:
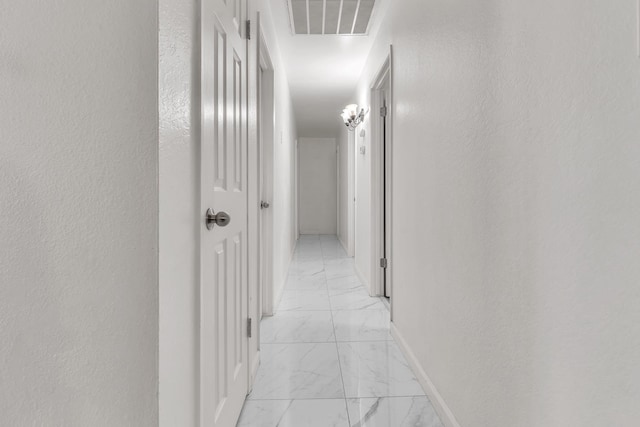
x=266 y=111
x=382 y=151
x=223 y=299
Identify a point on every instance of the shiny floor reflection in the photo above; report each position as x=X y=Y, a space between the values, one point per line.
x=327 y=357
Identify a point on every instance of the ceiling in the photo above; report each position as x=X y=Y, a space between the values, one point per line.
x=323 y=70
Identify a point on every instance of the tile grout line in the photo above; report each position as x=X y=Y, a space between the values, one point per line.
x=332 y=313
x=344 y=390
x=340 y=398
x=327 y=342
x=333 y=324
x=335 y=340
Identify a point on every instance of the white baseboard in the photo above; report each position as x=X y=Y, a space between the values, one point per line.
x=254 y=370
x=364 y=282
x=446 y=416
x=346 y=249
x=278 y=297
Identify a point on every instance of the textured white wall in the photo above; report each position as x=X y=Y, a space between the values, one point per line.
x=285 y=134
x=318 y=186
x=79 y=203
x=179 y=211
x=517 y=207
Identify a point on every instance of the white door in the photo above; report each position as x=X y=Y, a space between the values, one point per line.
x=223 y=261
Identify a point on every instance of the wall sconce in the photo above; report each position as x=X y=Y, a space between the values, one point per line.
x=351 y=117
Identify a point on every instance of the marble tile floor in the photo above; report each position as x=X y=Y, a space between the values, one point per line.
x=327 y=357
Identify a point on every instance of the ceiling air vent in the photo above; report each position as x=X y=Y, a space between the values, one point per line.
x=330 y=16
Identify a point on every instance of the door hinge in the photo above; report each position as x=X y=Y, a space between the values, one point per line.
x=248 y=29
x=383 y=262
x=383 y=111
x=249 y=321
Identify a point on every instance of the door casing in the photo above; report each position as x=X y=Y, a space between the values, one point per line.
x=381 y=179
x=266 y=127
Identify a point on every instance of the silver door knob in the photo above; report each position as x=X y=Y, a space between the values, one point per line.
x=221 y=219
x=264 y=205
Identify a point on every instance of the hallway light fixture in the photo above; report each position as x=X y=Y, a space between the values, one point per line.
x=351 y=117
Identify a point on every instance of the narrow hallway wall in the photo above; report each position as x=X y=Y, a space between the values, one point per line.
x=79 y=213
x=318 y=186
x=284 y=197
x=516 y=208
x=179 y=228
x=363 y=161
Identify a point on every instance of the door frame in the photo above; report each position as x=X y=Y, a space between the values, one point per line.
x=296 y=193
x=351 y=193
x=265 y=133
x=381 y=173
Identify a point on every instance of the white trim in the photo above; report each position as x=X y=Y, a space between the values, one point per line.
x=254 y=370
x=378 y=178
x=266 y=161
x=277 y=299
x=438 y=402
x=253 y=202
x=296 y=180
x=282 y=288
x=339 y=179
x=364 y=281
x=389 y=180
x=344 y=245
x=351 y=194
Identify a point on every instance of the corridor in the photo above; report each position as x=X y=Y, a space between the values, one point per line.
x=328 y=358
x=478 y=161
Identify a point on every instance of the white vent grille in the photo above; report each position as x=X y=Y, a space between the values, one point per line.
x=330 y=16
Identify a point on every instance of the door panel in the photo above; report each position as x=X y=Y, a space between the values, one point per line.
x=219 y=141
x=238 y=122
x=223 y=257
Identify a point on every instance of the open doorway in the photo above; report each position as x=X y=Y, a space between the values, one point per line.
x=266 y=111
x=381 y=95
